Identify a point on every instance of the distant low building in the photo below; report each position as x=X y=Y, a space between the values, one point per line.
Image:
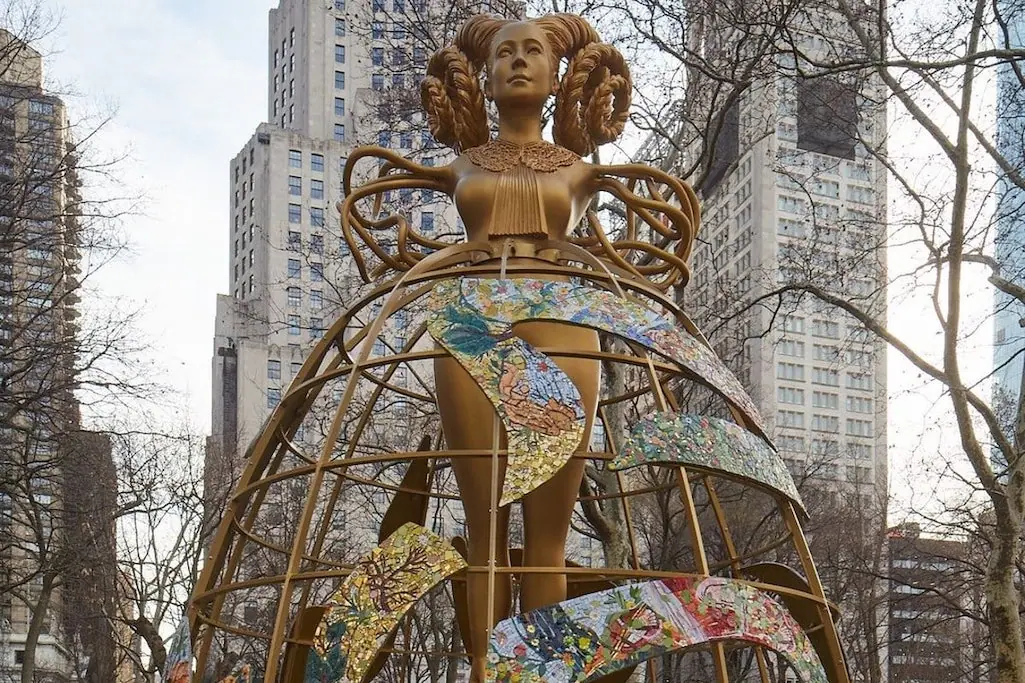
x=930 y=595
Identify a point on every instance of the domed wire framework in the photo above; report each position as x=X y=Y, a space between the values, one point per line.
x=300 y=519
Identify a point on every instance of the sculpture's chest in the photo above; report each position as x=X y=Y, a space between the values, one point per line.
x=519 y=201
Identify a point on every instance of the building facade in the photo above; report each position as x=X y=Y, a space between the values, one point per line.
x=930 y=595
x=39 y=420
x=1009 y=244
x=796 y=194
x=338 y=77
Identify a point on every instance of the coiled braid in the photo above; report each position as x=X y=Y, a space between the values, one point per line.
x=591 y=106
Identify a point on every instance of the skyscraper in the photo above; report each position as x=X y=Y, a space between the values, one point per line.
x=335 y=76
x=796 y=193
x=1009 y=245
x=42 y=546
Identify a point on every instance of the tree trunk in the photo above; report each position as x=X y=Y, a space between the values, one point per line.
x=1002 y=603
x=35 y=628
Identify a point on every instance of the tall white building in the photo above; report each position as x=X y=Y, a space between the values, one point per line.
x=332 y=71
x=794 y=195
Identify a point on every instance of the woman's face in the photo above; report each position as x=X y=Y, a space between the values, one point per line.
x=520 y=69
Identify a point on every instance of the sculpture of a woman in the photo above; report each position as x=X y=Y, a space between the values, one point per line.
x=515 y=311
x=515 y=192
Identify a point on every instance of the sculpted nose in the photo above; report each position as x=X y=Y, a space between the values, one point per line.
x=519 y=61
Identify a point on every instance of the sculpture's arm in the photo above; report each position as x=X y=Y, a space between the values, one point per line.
x=664 y=204
x=395 y=173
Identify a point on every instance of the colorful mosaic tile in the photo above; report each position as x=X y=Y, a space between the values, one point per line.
x=178 y=665
x=595 y=635
x=373 y=598
x=537 y=403
x=709 y=443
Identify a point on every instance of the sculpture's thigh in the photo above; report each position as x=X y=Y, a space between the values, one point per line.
x=468 y=421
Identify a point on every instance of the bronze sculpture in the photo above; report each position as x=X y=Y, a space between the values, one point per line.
x=532 y=238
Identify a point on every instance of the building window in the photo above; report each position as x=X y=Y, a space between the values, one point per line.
x=316 y=299
x=316 y=272
x=825 y=399
x=377 y=82
x=340 y=28
x=294 y=240
x=398 y=80
x=427 y=221
x=790 y=371
x=384 y=138
x=793 y=324
x=273 y=369
x=377 y=30
x=400 y=5
x=293 y=325
x=295 y=185
x=295 y=213
x=294 y=267
x=377 y=56
x=340 y=54
x=316 y=217
x=340 y=132
x=825 y=328
x=295 y=158
x=790 y=395
x=316 y=328
x=339 y=106
x=295 y=297
x=825 y=423
x=419 y=56
x=790 y=419
x=339 y=80
x=317 y=163
x=273 y=397
x=316 y=189
x=339 y=5
x=378 y=5
x=826 y=376
x=317 y=244
x=406 y=140
x=398 y=56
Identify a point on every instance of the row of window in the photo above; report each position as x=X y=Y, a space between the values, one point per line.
x=295 y=160
x=295 y=215
x=295 y=270
x=399 y=5
x=295 y=298
x=295 y=186
x=793 y=419
x=824 y=399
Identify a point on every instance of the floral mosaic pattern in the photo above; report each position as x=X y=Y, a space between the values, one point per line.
x=539 y=406
x=709 y=443
x=594 y=635
x=373 y=598
x=178 y=666
x=537 y=402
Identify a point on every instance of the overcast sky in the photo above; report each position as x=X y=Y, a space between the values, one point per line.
x=188 y=80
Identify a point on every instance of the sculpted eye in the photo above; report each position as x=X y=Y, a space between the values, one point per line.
x=534 y=50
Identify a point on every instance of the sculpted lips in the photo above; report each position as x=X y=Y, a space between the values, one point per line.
x=519 y=78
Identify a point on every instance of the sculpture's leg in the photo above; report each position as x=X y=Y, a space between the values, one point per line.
x=547 y=510
x=467 y=419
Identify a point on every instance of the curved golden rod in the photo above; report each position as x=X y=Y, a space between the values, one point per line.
x=396 y=161
x=684 y=192
x=352 y=219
